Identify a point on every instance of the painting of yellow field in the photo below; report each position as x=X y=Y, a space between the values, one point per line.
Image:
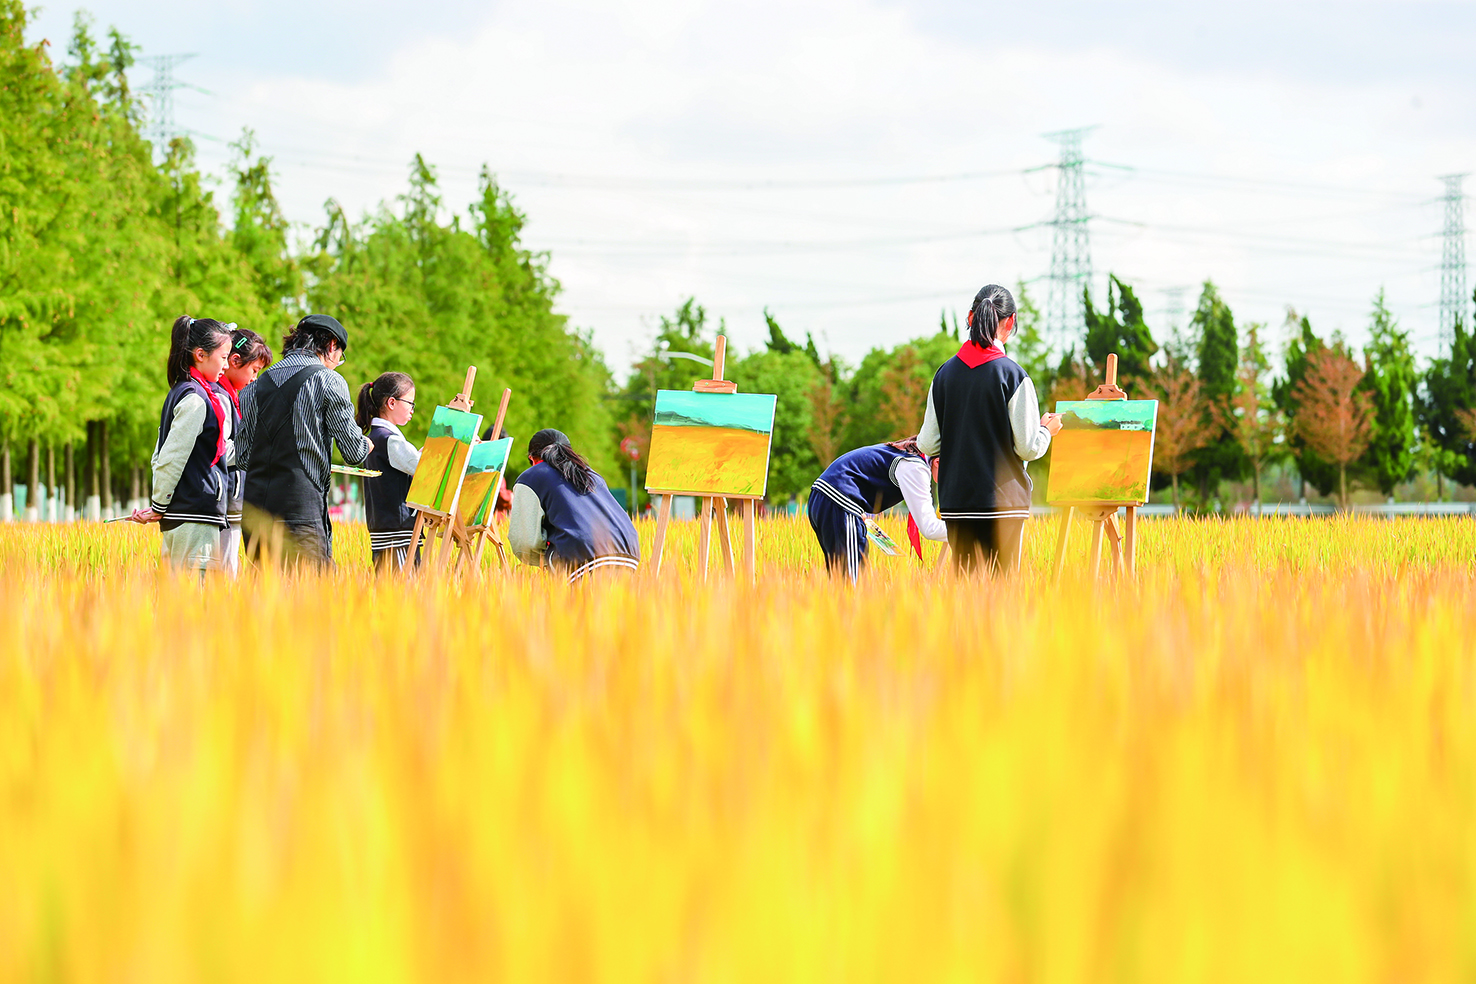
x=1254 y=762
x=442 y=464
x=1103 y=452
x=484 y=466
x=711 y=443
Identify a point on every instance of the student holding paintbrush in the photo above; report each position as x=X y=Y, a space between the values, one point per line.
x=190 y=488
x=983 y=419
x=564 y=517
x=871 y=480
x=383 y=407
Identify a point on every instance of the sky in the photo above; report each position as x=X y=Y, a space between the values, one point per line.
x=858 y=168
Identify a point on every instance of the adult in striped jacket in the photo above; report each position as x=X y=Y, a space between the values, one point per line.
x=190 y=488
x=984 y=421
x=869 y=480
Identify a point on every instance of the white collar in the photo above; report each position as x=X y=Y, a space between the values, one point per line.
x=381 y=422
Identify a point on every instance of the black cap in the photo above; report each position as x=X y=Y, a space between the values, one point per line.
x=544 y=438
x=329 y=325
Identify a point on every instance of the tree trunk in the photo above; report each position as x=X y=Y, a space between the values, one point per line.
x=1176 y=493
x=71 y=479
x=1256 y=484
x=1343 y=486
x=134 y=490
x=51 y=513
x=1439 y=486
x=33 y=481
x=106 y=468
x=6 y=488
x=89 y=470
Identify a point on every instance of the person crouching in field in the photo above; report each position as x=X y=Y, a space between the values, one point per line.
x=869 y=480
x=189 y=494
x=564 y=516
x=250 y=354
x=982 y=415
x=384 y=406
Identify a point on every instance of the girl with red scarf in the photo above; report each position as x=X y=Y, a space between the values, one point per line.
x=190 y=489
x=250 y=354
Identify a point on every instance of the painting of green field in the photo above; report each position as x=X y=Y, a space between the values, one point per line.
x=443 y=459
x=484 y=466
x=711 y=443
x=1104 y=452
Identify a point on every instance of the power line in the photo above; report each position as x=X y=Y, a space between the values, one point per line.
x=1453 y=260
x=1071 y=258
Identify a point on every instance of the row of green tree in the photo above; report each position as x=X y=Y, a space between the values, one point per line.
x=102 y=247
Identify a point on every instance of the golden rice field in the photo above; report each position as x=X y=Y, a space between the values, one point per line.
x=1257 y=763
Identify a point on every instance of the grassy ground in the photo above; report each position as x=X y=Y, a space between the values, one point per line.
x=1258 y=762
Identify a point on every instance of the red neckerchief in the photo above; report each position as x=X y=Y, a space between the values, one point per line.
x=914 y=536
x=219 y=409
x=232 y=392
x=974 y=356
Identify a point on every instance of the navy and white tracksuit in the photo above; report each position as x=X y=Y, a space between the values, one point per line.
x=868 y=480
x=577 y=533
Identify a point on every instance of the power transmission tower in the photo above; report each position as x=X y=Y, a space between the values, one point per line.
x=160 y=90
x=1071 y=256
x=1453 y=261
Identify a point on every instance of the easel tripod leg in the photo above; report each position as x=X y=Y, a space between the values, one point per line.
x=704 y=538
x=1096 y=549
x=721 y=505
x=1061 y=543
x=663 y=519
x=1130 y=542
x=750 y=540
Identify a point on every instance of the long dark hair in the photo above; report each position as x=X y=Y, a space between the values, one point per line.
x=992 y=305
x=552 y=448
x=909 y=445
x=373 y=396
x=247 y=347
x=187 y=335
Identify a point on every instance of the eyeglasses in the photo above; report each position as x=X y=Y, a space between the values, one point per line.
x=408 y=403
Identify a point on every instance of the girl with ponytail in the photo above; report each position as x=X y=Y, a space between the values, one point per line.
x=563 y=515
x=983 y=421
x=249 y=355
x=190 y=487
x=382 y=408
x=872 y=480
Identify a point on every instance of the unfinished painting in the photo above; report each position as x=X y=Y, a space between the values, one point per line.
x=484 y=467
x=711 y=443
x=1103 y=453
x=443 y=459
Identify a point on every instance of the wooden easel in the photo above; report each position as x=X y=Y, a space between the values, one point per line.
x=711 y=504
x=472 y=540
x=1103 y=515
x=432 y=523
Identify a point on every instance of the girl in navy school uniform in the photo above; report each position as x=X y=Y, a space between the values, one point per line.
x=383 y=407
x=983 y=420
x=250 y=354
x=190 y=487
x=563 y=515
x=870 y=480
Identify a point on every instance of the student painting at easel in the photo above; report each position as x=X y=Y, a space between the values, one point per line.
x=564 y=517
x=983 y=419
x=870 y=480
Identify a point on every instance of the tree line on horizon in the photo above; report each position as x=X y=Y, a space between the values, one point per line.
x=101 y=248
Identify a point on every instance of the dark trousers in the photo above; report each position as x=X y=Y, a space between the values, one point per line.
x=991 y=545
x=841 y=534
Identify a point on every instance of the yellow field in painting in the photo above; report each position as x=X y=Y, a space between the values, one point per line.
x=708 y=460
x=1255 y=763
x=438 y=455
x=1099 y=466
x=474 y=491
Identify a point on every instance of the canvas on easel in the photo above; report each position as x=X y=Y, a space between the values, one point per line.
x=476 y=510
x=435 y=488
x=712 y=443
x=1102 y=460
